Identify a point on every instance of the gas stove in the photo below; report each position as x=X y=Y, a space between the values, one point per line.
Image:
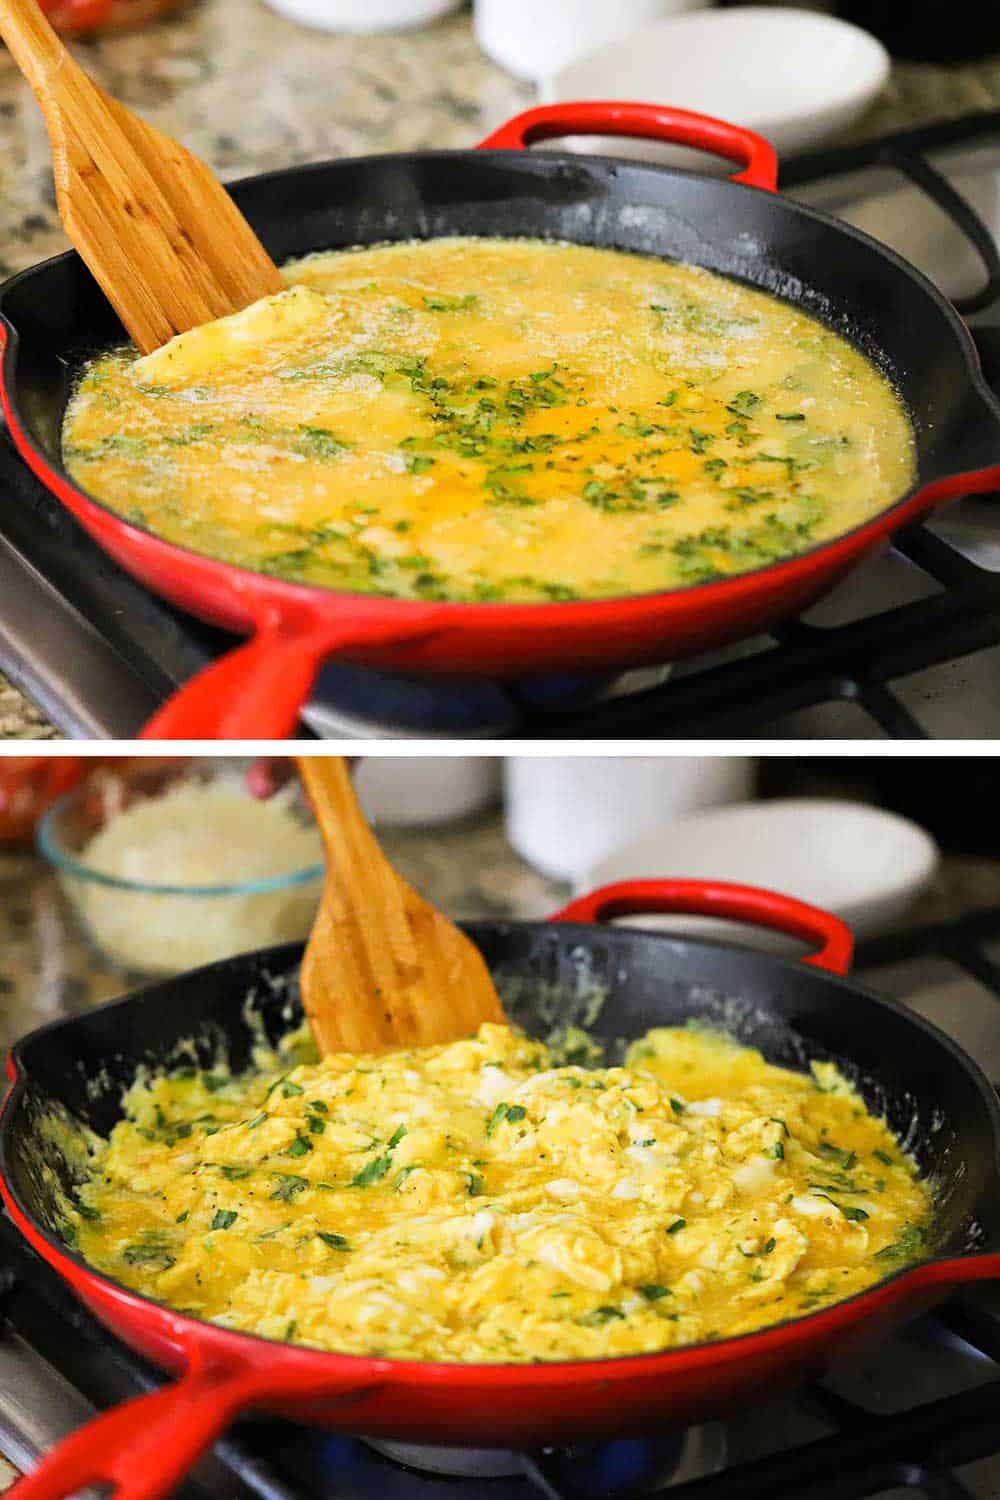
x=907 y=647
x=918 y=1415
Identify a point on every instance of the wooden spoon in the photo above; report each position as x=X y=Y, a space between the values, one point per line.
x=382 y=968
x=163 y=238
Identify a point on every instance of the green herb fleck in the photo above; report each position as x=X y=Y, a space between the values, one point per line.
x=289 y=1187
x=418 y=463
x=599 y=1316
x=511 y=1112
x=845 y=1159
x=319 y=442
x=744 y=403
x=148 y=1253
x=908 y=1246
x=442 y=303
x=373 y=1171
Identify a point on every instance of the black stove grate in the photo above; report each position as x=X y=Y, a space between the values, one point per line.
x=862 y=1452
x=802 y=666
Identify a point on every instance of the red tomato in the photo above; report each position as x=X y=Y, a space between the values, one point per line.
x=29 y=784
x=73 y=17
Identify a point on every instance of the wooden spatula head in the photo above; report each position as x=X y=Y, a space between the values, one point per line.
x=382 y=969
x=160 y=234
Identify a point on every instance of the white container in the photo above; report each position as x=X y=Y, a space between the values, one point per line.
x=864 y=865
x=532 y=39
x=794 y=76
x=421 y=790
x=564 y=813
x=364 y=15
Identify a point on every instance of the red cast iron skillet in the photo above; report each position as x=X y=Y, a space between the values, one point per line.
x=931 y=1093
x=54 y=316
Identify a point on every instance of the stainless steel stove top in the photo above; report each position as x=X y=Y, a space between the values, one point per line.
x=903 y=217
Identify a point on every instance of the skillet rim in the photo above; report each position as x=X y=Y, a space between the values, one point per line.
x=498 y=1373
x=880 y=524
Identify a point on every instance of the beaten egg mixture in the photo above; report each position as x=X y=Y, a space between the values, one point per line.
x=473 y=1202
x=495 y=420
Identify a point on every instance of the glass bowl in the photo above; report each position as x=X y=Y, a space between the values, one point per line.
x=154 y=926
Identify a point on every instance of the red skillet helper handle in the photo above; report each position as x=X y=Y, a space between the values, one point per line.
x=717 y=898
x=658 y=122
x=258 y=690
x=144 y=1448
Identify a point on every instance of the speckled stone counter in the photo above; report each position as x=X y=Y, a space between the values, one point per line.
x=48 y=968
x=468 y=869
x=249 y=91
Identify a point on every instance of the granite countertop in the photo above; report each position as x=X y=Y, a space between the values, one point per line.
x=248 y=90
x=47 y=968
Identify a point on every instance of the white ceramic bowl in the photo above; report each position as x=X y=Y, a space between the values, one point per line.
x=363 y=16
x=794 y=76
x=865 y=865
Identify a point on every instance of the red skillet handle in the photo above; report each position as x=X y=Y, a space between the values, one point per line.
x=145 y=1447
x=658 y=122
x=254 y=692
x=716 y=898
x=257 y=691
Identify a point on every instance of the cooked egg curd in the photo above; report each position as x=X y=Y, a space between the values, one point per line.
x=475 y=1202
x=495 y=420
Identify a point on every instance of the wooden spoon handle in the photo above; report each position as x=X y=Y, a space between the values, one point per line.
x=370 y=897
x=343 y=826
x=366 y=881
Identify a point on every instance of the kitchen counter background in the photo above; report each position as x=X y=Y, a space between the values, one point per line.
x=249 y=91
x=466 y=868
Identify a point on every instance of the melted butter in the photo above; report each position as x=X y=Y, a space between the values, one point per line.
x=472 y=1202
x=495 y=419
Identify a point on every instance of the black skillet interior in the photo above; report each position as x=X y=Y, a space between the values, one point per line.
x=828 y=269
x=617 y=983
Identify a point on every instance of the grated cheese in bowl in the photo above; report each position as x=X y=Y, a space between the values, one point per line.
x=169 y=872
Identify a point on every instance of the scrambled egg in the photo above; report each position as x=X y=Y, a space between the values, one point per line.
x=474 y=1202
x=495 y=420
